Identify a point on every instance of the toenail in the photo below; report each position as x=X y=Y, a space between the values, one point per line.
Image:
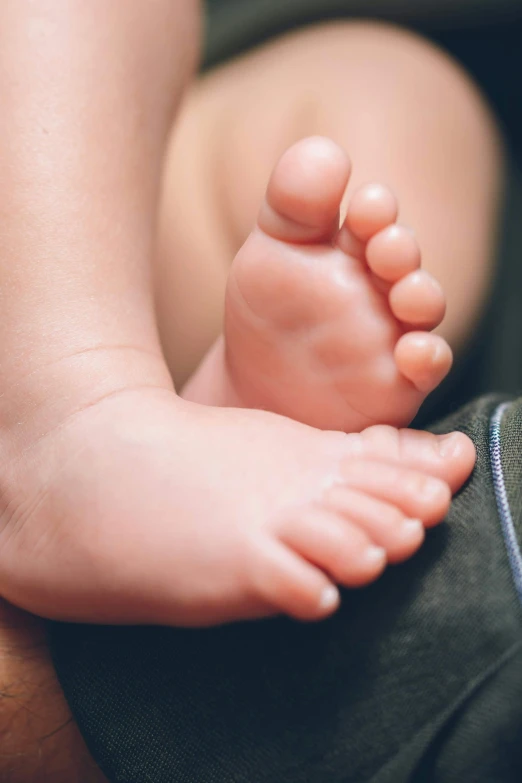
x=432 y=489
x=330 y=599
x=449 y=445
x=375 y=556
x=436 y=353
x=413 y=528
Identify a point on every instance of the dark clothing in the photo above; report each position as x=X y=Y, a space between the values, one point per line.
x=418 y=678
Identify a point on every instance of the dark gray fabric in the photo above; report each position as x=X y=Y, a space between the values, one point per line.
x=479 y=743
x=399 y=686
x=511 y=433
x=237 y=24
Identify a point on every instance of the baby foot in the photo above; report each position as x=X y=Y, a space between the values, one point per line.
x=142 y=508
x=328 y=326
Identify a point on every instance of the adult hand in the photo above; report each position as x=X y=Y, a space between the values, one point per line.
x=39 y=739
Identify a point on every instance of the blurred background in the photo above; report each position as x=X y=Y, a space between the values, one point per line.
x=484 y=35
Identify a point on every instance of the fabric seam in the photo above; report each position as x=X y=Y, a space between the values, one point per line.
x=502 y=499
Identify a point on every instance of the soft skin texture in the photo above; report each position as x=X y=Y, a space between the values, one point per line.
x=407 y=115
x=38 y=736
x=148 y=550
x=323 y=324
x=118 y=502
x=286 y=512
x=49 y=315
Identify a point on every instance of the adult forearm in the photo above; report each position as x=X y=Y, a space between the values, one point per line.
x=39 y=739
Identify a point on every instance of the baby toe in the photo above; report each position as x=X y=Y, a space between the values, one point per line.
x=284 y=580
x=417 y=495
x=418 y=300
x=371 y=208
x=424 y=359
x=305 y=191
x=393 y=253
x=384 y=523
x=337 y=546
x=449 y=457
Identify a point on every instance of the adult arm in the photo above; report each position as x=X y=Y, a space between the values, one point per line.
x=39 y=739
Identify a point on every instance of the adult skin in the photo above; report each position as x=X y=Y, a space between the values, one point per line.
x=39 y=739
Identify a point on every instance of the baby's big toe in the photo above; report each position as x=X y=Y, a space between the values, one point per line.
x=448 y=457
x=305 y=192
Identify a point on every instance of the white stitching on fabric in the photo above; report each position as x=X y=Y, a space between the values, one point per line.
x=504 y=511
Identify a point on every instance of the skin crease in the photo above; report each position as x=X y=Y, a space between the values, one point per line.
x=348 y=81
x=297 y=305
x=84 y=300
x=93 y=439
x=51 y=56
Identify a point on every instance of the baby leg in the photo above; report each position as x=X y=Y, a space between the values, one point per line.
x=330 y=327
x=405 y=113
